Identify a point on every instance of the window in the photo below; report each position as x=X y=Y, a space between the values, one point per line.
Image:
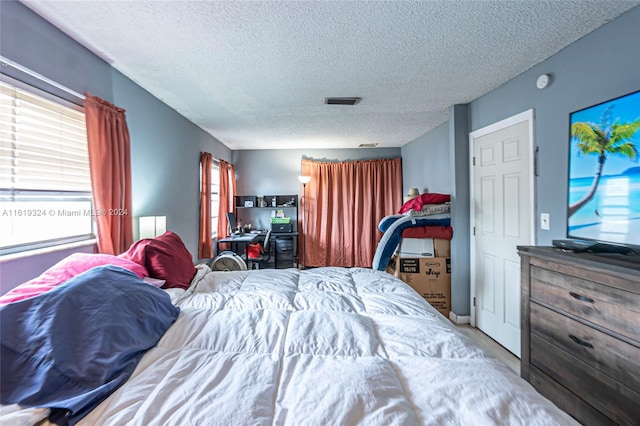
x=45 y=185
x=215 y=198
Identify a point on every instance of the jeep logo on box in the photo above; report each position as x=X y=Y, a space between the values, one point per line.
x=409 y=266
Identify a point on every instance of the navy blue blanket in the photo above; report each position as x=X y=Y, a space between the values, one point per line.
x=69 y=348
x=392 y=226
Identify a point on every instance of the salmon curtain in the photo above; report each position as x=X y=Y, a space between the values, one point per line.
x=205 y=246
x=342 y=206
x=110 y=164
x=227 y=192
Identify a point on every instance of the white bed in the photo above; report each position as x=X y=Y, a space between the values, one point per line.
x=326 y=346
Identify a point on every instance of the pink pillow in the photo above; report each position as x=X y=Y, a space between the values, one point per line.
x=428 y=198
x=67 y=268
x=166 y=258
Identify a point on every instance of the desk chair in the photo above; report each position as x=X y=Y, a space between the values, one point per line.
x=254 y=262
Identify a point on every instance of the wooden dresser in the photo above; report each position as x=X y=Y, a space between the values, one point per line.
x=580 y=323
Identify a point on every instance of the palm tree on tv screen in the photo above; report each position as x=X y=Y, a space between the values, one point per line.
x=603 y=139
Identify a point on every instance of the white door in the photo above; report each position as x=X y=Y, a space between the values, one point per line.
x=502 y=218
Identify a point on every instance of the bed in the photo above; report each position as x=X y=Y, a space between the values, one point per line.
x=325 y=346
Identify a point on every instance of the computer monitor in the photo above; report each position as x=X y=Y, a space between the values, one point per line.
x=233 y=223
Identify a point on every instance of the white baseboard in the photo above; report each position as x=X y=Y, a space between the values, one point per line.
x=459 y=319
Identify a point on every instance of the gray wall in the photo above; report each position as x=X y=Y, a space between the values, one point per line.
x=460 y=253
x=276 y=171
x=422 y=165
x=21 y=269
x=434 y=163
x=165 y=159
x=165 y=147
x=598 y=67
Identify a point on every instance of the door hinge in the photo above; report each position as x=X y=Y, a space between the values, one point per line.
x=474 y=302
x=474 y=161
x=474 y=231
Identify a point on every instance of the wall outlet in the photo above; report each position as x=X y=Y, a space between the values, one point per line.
x=544 y=221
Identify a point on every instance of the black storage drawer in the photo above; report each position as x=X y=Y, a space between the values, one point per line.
x=284 y=255
x=284 y=246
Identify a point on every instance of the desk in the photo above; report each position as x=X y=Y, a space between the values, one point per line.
x=234 y=239
x=245 y=239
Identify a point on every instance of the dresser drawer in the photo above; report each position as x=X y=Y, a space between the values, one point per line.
x=614 y=309
x=612 y=357
x=567 y=401
x=617 y=402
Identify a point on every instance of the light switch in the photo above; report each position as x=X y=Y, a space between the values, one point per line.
x=544 y=221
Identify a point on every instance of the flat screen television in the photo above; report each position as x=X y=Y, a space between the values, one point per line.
x=603 y=212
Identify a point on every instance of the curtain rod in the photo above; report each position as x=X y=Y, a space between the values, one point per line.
x=5 y=62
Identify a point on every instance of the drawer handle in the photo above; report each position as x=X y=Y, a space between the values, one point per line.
x=580 y=297
x=580 y=341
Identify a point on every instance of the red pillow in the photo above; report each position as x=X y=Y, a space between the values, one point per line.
x=166 y=258
x=428 y=198
x=136 y=253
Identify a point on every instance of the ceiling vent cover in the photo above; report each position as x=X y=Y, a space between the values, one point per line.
x=341 y=101
x=367 y=145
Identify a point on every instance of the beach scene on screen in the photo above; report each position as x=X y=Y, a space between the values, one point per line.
x=605 y=138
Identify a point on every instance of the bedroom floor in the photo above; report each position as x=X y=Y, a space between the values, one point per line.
x=491 y=346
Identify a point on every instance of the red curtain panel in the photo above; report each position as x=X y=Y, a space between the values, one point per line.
x=205 y=246
x=110 y=163
x=342 y=205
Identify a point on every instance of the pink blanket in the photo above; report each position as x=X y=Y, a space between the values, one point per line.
x=68 y=268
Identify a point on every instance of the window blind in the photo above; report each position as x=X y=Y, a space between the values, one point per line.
x=43 y=145
x=45 y=184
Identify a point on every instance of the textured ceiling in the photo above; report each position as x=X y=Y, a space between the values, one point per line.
x=255 y=74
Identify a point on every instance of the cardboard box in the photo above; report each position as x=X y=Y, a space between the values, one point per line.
x=429 y=276
x=442 y=248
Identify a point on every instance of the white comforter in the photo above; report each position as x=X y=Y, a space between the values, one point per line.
x=328 y=346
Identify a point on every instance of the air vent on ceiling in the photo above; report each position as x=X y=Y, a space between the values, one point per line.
x=367 y=145
x=341 y=101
